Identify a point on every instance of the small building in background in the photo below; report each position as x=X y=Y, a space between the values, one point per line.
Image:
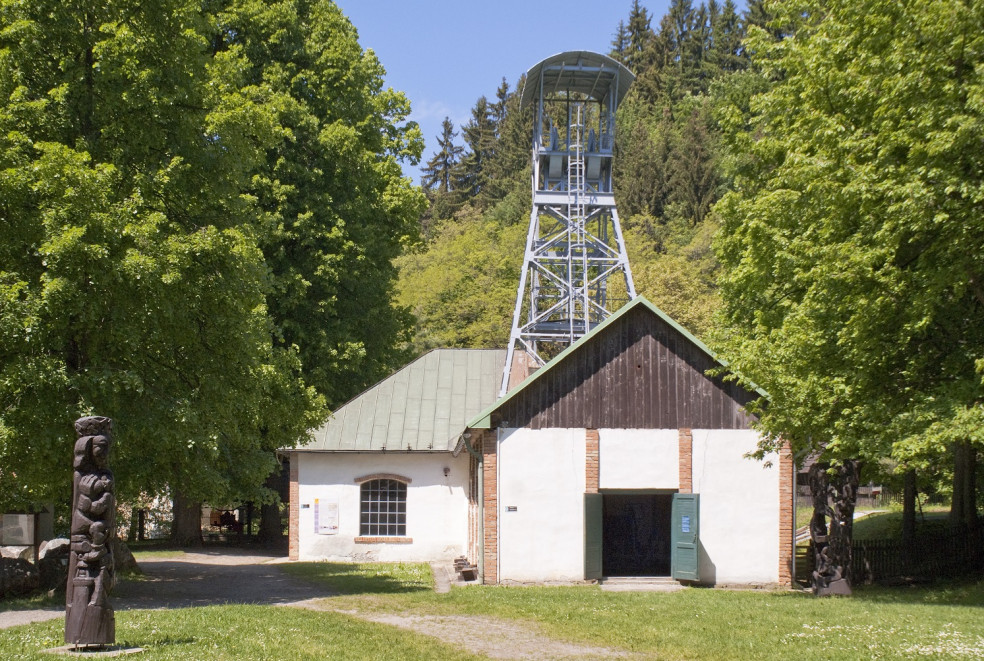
x=381 y=481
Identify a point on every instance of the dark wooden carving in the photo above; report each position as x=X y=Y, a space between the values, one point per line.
x=834 y=495
x=89 y=617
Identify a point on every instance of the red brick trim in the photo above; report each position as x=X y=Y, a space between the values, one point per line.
x=382 y=476
x=591 y=460
x=293 y=508
x=787 y=516
x=490 y=507
x=384 y=540
x=686 y=446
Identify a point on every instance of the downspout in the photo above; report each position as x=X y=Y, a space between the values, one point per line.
x=481 y=504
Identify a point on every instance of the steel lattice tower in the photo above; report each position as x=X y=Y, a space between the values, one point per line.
x=575 y=270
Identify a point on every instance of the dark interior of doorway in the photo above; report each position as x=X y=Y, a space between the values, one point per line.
x=636 y=534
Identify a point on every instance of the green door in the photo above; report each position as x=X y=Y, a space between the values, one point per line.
x=593 y=526
x=685 y=537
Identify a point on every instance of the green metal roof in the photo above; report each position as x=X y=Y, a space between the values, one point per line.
x=484 y=419
x=422 y=407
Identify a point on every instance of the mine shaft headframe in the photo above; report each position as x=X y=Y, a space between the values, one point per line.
x=576 y=268
x=594 y=75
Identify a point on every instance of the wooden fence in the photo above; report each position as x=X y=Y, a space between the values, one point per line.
x=944 y=555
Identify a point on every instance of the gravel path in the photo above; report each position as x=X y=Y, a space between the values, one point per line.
x=195 y=579
x=212 y=578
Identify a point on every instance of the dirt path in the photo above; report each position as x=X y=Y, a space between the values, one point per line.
x=195 y=579
x=212 y=578
x=495 y=638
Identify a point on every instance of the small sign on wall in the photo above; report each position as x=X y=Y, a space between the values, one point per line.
x=325 y=517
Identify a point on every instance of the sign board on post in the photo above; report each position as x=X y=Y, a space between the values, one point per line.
x=18 y=530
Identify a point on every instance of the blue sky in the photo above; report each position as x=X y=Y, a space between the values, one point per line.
x=444 y=54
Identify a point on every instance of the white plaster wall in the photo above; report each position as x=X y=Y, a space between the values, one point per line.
x=739 y=508
x=437 y=506
x=541 y=473
x=638 y=459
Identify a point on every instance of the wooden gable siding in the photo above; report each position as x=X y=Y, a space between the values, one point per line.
x=640 y=373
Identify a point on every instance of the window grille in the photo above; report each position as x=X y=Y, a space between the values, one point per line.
x=384 y=509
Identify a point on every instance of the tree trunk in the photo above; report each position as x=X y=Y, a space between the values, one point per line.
x=970 y=488
x=963 y=507
x=186 y=527
x=908 y=516
x=271 y=525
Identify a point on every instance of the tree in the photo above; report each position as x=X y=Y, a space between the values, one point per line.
x=440 y=169
x=640 y=33
x=852 y=240
x=201 y=206
x=620 y=42
x=728 y=32
x=480 y=138
x=337 y=209
x=132 y=284
x=693 y=184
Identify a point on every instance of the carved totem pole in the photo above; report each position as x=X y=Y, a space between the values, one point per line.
x=832 y=552
x=89 y=618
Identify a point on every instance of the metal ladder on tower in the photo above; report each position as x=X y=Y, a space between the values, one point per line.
x=577 y=267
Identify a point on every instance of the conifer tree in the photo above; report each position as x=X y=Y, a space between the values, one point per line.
x=620 y=43
x=640 y=33
x=728 y=33
x=479 y=134
x=441 y=167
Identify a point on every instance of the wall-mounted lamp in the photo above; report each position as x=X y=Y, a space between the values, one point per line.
x=447 y=471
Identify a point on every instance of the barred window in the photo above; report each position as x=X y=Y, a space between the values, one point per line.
x=384 y=509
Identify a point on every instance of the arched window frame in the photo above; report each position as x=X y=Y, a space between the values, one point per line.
x=382 y=506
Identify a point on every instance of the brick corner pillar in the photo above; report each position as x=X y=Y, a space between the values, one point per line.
x=294 y=511
x=490 y=507
x=591 y=461
x=686 y=445
x=787 y=515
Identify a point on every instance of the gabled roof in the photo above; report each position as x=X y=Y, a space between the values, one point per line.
x=483 y=419
x=422 y=407
x=592 y=74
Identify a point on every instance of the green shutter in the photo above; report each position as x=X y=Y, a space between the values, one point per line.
x=685 y=537
x=592 y=535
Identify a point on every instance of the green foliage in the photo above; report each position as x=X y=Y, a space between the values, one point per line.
x=461 y=286
x=335 y=208
x=852 y=242
x=199 y=209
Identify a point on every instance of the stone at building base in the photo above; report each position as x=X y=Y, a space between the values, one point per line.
x=94 y=651
x=17 y=577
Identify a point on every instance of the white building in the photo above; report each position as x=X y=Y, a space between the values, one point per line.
x=620 y=457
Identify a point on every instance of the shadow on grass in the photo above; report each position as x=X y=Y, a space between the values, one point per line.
x=365 y=578
x=968 y=592
x=34 y=602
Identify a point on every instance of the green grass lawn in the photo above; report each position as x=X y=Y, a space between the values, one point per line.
x=877 y=623
x=888 y=525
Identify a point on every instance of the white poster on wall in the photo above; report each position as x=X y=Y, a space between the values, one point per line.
x=325 y=516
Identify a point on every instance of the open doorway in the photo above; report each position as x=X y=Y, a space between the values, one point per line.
x=636 y=534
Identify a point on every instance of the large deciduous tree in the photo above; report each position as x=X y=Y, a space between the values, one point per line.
x=198 y=210
x=853 y=243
